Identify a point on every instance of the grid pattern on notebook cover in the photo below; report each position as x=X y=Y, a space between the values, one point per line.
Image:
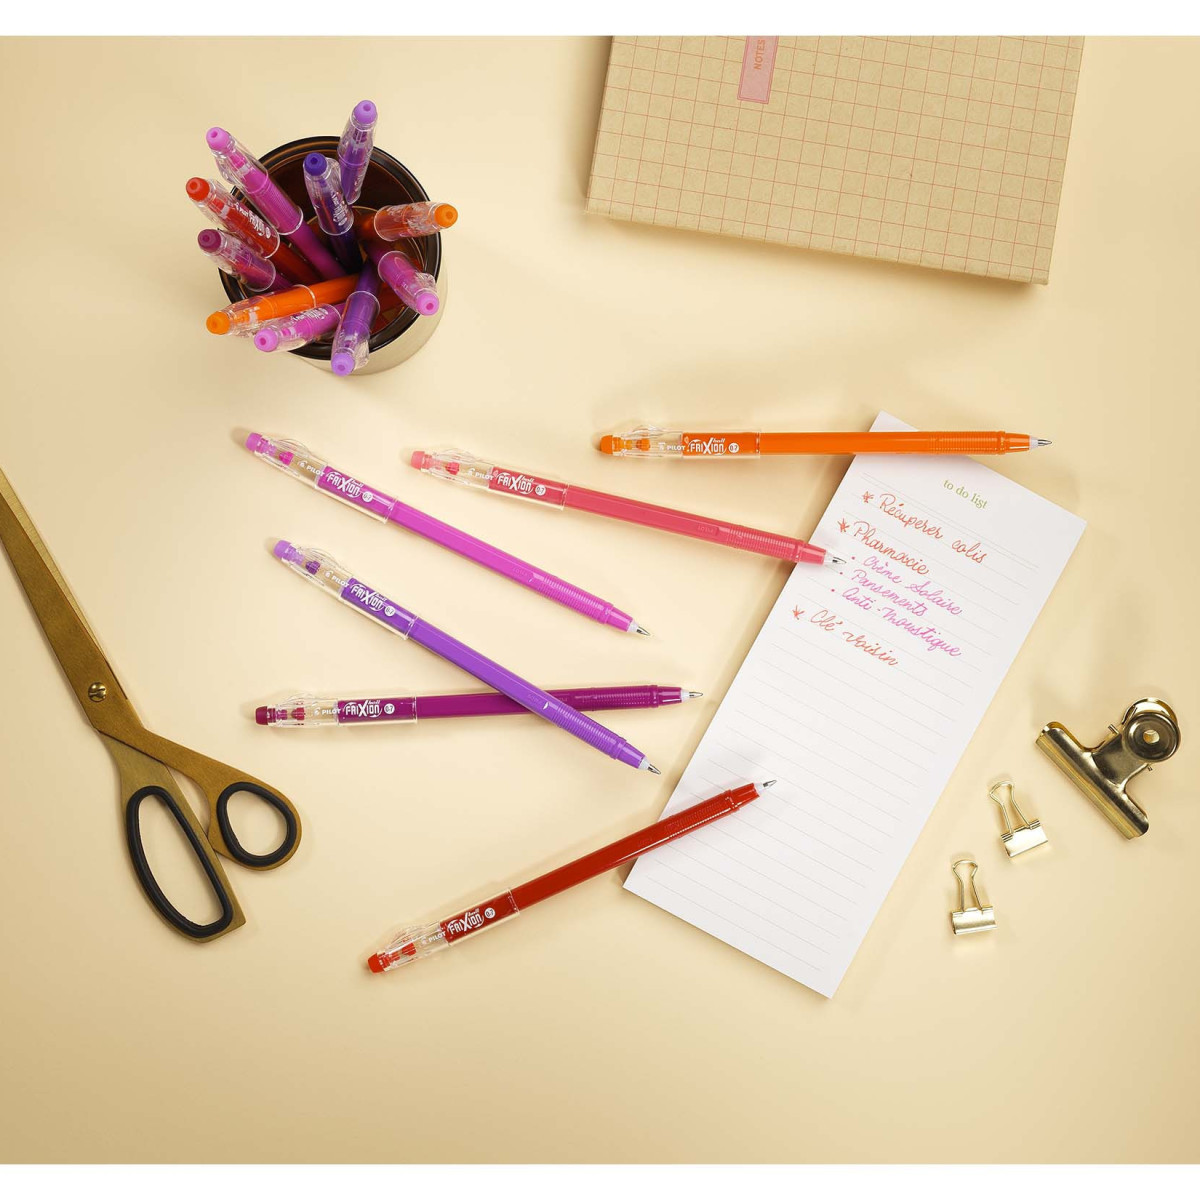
x=947 y=152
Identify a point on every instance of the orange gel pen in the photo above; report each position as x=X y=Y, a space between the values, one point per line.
x=245 y=316
x=652 y=442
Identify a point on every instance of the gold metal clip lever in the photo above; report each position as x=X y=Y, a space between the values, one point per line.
x=1022 y=835
x=975 y=919
x=1149 y=734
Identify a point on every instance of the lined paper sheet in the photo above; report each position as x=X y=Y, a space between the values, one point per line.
x=859 y=695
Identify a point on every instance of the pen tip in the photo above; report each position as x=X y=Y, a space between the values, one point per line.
x=770 y=782
x=643 y=632
x=692 y=695
x=833 y=560
x=653 y=769
x=1035 y=442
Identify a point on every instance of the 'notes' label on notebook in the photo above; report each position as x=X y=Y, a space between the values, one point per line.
x=859 y=695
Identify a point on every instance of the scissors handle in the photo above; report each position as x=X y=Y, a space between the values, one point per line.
x=144 y=778
x=233 y=848
x=220 y=783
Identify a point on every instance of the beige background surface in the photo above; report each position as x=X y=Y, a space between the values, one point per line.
x=597 y=1027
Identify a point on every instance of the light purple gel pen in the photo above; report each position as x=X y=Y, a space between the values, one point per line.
x=354 y=149
x=351 y=343
x=325 y=572
x=333 y=213
x=300 y=463
x=236 y=258
x=417 y=288
x=289 y=333
x=243 y=170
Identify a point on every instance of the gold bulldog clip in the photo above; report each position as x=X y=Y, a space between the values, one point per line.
x=1149 y=734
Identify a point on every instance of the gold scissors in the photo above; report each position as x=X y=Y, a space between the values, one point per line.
x=142 y=757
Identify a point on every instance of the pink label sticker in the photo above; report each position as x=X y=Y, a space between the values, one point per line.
x=758 y=65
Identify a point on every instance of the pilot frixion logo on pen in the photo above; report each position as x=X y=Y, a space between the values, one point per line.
x=347 y=485
x=364 y=709
x=372 y=600
x=465 y=923
x=711 y=445
x=520 y=485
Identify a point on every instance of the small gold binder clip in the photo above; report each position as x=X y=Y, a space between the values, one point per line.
x=975 y=919
x=1020 y=837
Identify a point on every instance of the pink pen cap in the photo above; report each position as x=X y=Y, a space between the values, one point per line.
x=417 y=288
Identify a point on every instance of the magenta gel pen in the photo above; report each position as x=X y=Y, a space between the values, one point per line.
x=290 y=333
x=354 y=149
x=417 y=288
x=307 y=711
x=298 y=461
x=321 y=569
x=332 y=212
x=236 y=258
x=351 y=343
x=243 y=170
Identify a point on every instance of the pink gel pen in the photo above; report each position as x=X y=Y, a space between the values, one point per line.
x=460 y=467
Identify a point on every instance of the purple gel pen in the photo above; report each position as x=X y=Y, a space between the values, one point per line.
x=289 y=333
x=236 y=258
x=417 y=288
x=321 y=569
x=333 y=213
x=351 y=343
x=243 y=170
x=354 y=149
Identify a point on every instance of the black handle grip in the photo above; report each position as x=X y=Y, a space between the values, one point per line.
x=237 y=851
x=154 y=893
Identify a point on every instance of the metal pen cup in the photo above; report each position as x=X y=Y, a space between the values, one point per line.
x=388 y=181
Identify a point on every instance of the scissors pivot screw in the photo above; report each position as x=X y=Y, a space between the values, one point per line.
x=97 y=692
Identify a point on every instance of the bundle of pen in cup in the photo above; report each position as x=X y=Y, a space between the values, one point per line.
x=355 y=287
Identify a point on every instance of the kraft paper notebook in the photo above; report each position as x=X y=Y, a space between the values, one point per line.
x=859 y=695
x=947 y=152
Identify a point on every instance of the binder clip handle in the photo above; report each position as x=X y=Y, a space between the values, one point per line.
x=1023 y=834
x=973 y=918
x=968 y=883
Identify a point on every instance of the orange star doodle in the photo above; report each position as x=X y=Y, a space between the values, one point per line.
x=867 y=497
x=843 y=525
x=797 y=613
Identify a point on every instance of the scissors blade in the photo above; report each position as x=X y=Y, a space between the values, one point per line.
x=67 y=630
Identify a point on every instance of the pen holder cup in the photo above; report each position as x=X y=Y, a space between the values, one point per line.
x=387 y=181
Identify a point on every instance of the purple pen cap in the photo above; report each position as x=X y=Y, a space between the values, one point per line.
x=256 y=442
x=286 y=552
x=265 y=340
x=218 y=139
x=342 y=362
x=208 y=240
x=365 y=112
x=260 y=715
x=314 y=164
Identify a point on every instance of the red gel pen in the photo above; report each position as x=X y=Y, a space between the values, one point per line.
x=420 y=941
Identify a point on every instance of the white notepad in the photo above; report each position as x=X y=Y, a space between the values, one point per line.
x=859 y=695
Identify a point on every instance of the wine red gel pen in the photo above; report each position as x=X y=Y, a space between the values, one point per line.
x=420 y=941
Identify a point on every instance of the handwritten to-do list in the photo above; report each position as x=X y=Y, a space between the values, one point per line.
x=859 y=695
